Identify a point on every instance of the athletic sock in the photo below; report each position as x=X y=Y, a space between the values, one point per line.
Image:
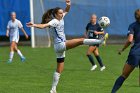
x=11 y=56
x=55 y=80
x=91 y=59
x=99 y=61
x=19 y=53
x=92 y=41
x=118 y=84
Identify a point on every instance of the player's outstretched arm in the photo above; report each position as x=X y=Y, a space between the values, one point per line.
x=41 y=26
x=68 y=5
x=128 y=42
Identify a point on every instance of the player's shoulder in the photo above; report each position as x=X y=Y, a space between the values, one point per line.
x=54 y=20
x=89 y=24
x=97 y=24
x=132 y=24
x=18 y=21
x=9 y=21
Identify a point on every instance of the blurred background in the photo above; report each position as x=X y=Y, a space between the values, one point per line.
x=120 y=12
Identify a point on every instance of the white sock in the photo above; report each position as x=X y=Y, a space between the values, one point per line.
x=55 y=80
x=11 y=56
x=92 y=41
x=19 y=53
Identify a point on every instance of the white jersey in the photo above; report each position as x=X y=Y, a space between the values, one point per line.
x=14 y=27
x=14 y=30
x=58 y=33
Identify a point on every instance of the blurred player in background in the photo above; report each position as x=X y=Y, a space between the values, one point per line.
x=13 y=32
x=94 y=31
x=134 y=54
x=54 y=18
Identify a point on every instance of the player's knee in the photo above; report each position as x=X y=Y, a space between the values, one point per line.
x=12 y=48
x=125 y=75
x=88 y=53
x=96 y=54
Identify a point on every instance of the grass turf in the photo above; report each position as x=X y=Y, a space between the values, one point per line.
x=35 y=75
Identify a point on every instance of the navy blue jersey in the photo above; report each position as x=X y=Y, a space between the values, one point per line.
x=90 y=28
x=134 y=29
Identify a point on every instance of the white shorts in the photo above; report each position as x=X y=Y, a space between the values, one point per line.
x=60 y=49
x=14 y=38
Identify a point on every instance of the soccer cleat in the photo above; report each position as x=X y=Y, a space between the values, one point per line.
x=93 y=67
x=102 y=68
x=23 y=59
x=105 y=39
x=9 y=61
x=53 y=91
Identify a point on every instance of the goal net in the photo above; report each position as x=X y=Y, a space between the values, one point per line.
x=39 y=37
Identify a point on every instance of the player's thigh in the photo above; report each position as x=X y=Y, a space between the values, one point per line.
x=127 y=70
x=60 y=56
x=133 y=60
x=96 y=52
x=16 y=48
x=13 y=44
x=74 y=43
x=91 y=49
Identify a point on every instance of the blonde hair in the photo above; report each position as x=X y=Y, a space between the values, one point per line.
x=13 y=13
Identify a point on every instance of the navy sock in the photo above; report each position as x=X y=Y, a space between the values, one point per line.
x=99 y=61
x=118 y=84
x=91 y=59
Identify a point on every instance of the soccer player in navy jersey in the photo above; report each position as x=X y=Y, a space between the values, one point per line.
x=134 y=54
x=94 y=31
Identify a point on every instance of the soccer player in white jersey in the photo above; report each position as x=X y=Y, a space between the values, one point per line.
x=13 y=32
x=54 y=18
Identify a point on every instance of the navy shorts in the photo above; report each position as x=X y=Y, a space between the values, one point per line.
x=97 y=45
x=133 y=60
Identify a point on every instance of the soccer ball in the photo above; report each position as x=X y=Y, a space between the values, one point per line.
x=104 y=22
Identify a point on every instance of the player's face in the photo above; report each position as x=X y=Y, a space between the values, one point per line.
x=93 y=19
x=59 y=14
x=13 y=16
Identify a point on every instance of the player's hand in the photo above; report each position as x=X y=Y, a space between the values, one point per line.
x=26 y=36
x=95 y=32
x=120 y=51
x=30 y=24
x=68 y=2
x=7 y=35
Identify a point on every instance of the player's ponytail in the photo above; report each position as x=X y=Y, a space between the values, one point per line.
x=49 y=15
x=137 y=15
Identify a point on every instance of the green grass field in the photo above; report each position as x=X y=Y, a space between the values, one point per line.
x=35 y=75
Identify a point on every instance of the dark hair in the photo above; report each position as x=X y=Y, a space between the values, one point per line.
x=49 y=15
x=137 y=15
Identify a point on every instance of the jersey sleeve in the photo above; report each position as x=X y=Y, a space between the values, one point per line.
x=20 y=24
x=87 y=26
x=8 y=25
x=130 y=30
x=100 y=29
x=53 y=23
